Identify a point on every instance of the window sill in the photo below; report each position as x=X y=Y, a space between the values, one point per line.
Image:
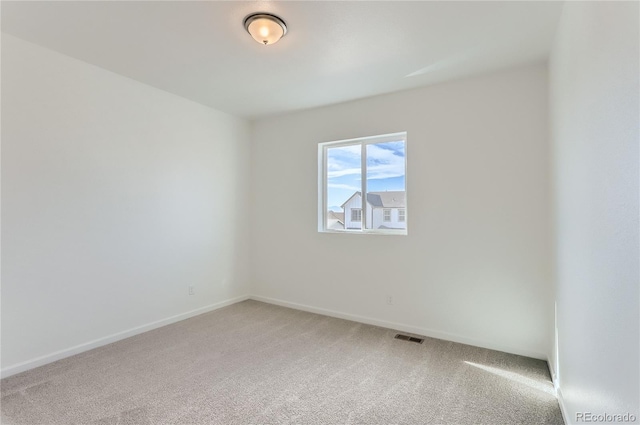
x=387 y=232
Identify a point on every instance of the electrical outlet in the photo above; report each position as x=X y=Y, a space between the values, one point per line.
x=192 y=290
x=389 y=300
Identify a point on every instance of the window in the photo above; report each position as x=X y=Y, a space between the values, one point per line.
x=374 y=166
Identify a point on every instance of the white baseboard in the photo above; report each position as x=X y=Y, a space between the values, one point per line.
x=556 y=385
x=61 y=354
x=403 y=327
x=563 y=409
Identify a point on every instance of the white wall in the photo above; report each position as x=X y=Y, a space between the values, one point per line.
x=594 y=73
x=476 y=264
x=115 y=198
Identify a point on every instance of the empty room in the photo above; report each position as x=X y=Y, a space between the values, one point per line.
x=320 y=212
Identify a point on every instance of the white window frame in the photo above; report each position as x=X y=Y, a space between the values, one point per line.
x=356 y=210
x=402 y=218
x=323 y=177
x=386 y=211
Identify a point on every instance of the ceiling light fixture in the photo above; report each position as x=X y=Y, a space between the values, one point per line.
x=265 y=28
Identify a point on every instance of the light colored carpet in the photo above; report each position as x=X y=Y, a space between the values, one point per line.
x=255 y=363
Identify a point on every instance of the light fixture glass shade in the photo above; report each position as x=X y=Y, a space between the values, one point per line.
x=264 y=28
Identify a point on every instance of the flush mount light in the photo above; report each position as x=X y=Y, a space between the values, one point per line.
x=265 y=28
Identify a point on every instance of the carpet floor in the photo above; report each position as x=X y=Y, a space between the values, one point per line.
x=256 y=363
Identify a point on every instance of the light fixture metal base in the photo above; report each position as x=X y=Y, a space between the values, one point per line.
x=268 y=16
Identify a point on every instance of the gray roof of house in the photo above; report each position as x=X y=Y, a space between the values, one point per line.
x=335 y=216
x=387 y=199
x=393 y=199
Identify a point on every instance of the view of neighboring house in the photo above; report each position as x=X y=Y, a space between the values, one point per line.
x=335 y=220
x=385 y=210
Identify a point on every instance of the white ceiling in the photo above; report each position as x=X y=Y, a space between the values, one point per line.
x=334 y=51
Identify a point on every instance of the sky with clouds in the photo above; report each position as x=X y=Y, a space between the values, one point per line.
x=385 y=170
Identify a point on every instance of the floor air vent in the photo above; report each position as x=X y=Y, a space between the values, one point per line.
x=409 y=338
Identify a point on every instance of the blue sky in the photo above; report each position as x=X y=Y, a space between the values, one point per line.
x=385 y=170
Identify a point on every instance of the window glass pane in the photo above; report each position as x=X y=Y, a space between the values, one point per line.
x=344 y=182
x=385 y=185
x=383 y=208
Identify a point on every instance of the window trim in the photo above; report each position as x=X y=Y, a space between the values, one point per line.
x=356 y=210
x=390 y=211
x=323 y=177
x=403 y=215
